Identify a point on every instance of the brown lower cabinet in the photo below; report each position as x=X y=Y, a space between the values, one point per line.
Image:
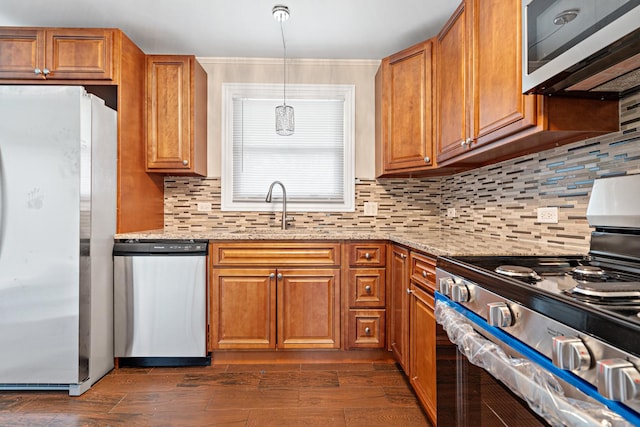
x=399 y=305
x=268 y=296
x=422 y=348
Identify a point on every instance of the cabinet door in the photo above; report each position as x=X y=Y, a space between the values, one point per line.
x=168 y=113
x=422 y=372
x=21 y=53
x=453 y=87
x=309 y=308
x=501 y=109
x=243 y=308
x=410 y=132
x=79 y=54
x=399 y=306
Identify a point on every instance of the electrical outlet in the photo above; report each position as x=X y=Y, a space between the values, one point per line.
x=370 y=208
x=451 y=213
x=548 y=215
x=204 y=206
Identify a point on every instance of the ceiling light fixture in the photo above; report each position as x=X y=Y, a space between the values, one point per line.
x=285 y=123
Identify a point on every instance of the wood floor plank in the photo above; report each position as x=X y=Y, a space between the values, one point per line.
x=385 y=417
x=150 y=403
x=252 y=398
x=133 y=382
x=296 y=417
x=337 y=366
x=299 y=379
x=375 y=378
x=264 y=367
x=352 y=397
x=220 y=379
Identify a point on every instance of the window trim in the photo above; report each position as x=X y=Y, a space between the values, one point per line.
x=294 y=91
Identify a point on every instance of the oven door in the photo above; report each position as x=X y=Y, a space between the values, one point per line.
x=487 y=378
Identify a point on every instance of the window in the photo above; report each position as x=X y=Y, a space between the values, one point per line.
x=316 y=164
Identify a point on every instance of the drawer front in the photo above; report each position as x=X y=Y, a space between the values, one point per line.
x=423 y=270
x=367 y=287
x=367 y=254
x=366 y=329
x=275 y=254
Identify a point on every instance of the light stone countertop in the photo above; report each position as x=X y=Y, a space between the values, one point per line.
x=437 y=242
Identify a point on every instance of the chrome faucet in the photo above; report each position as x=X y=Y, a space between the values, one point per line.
x=284 y=201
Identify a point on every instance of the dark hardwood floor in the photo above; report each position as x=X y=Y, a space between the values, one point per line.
x=349 y=395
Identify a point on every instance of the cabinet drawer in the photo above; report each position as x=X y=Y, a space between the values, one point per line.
x=366 y=329
x=367 y=254
x=423 y=270
x=276 y=254
x=366 y=287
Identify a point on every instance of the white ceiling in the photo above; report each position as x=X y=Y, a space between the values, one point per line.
x=327 y=29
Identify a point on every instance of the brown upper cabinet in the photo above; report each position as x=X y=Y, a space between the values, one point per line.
x=482 y=115
x=176 y=115
x=56 y=53
x=404 y=117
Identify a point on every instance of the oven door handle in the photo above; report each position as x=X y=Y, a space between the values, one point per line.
x=538 y=387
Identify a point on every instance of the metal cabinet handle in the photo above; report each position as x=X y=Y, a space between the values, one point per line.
x=427 y=159
x=367 y=289
x=367 y=255
x=185 y=162
x=37 y=71
x=272 y=276
x=45 y=71
x=409 y=291
x=367 y=331
x=403 y=256
x=424 y=274
x=279 y=276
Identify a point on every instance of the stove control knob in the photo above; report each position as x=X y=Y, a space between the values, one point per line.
x=570 y=353
x=499 y=315
x=618 y=380
x=446 y=283
x=459 y=292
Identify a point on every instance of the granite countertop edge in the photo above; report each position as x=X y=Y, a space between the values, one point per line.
x=436 y=242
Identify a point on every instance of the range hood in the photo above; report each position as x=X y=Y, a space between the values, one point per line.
x=587 y=48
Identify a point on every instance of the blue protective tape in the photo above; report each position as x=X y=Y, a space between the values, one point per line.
x=542 y=361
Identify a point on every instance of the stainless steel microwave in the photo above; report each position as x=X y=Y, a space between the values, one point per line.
x=581 y=47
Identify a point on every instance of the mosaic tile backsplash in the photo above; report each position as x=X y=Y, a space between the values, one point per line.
x=499 y=200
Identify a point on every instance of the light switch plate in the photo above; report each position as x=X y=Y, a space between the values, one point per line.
x=548 y=215
x=370 y=208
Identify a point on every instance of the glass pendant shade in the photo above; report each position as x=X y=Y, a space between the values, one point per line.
x=285 y=121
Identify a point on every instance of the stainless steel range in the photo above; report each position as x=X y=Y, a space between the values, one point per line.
x=574 y=319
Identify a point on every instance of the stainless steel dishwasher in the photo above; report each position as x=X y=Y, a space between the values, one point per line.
x=160 y=302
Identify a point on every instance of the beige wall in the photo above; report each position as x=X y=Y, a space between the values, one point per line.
x=360 y=73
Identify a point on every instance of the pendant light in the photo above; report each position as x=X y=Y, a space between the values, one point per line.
x=285 y=123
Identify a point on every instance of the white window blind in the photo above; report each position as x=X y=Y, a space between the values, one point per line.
x=315 y=163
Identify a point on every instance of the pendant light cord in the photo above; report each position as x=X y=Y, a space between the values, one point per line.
x=284 y=67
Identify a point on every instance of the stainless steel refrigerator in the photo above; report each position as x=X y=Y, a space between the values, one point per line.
x=58 y=148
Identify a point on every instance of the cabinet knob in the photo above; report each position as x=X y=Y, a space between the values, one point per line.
x=367 y=255
x=185 y=162
x=272 y=276
x=367 y=331
x=37 y=71
x=424 y=274
x=45 y=71
x=279 y=276
x=403 y=256
x=427 y=159
x=367 y=289
x=409 y=291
